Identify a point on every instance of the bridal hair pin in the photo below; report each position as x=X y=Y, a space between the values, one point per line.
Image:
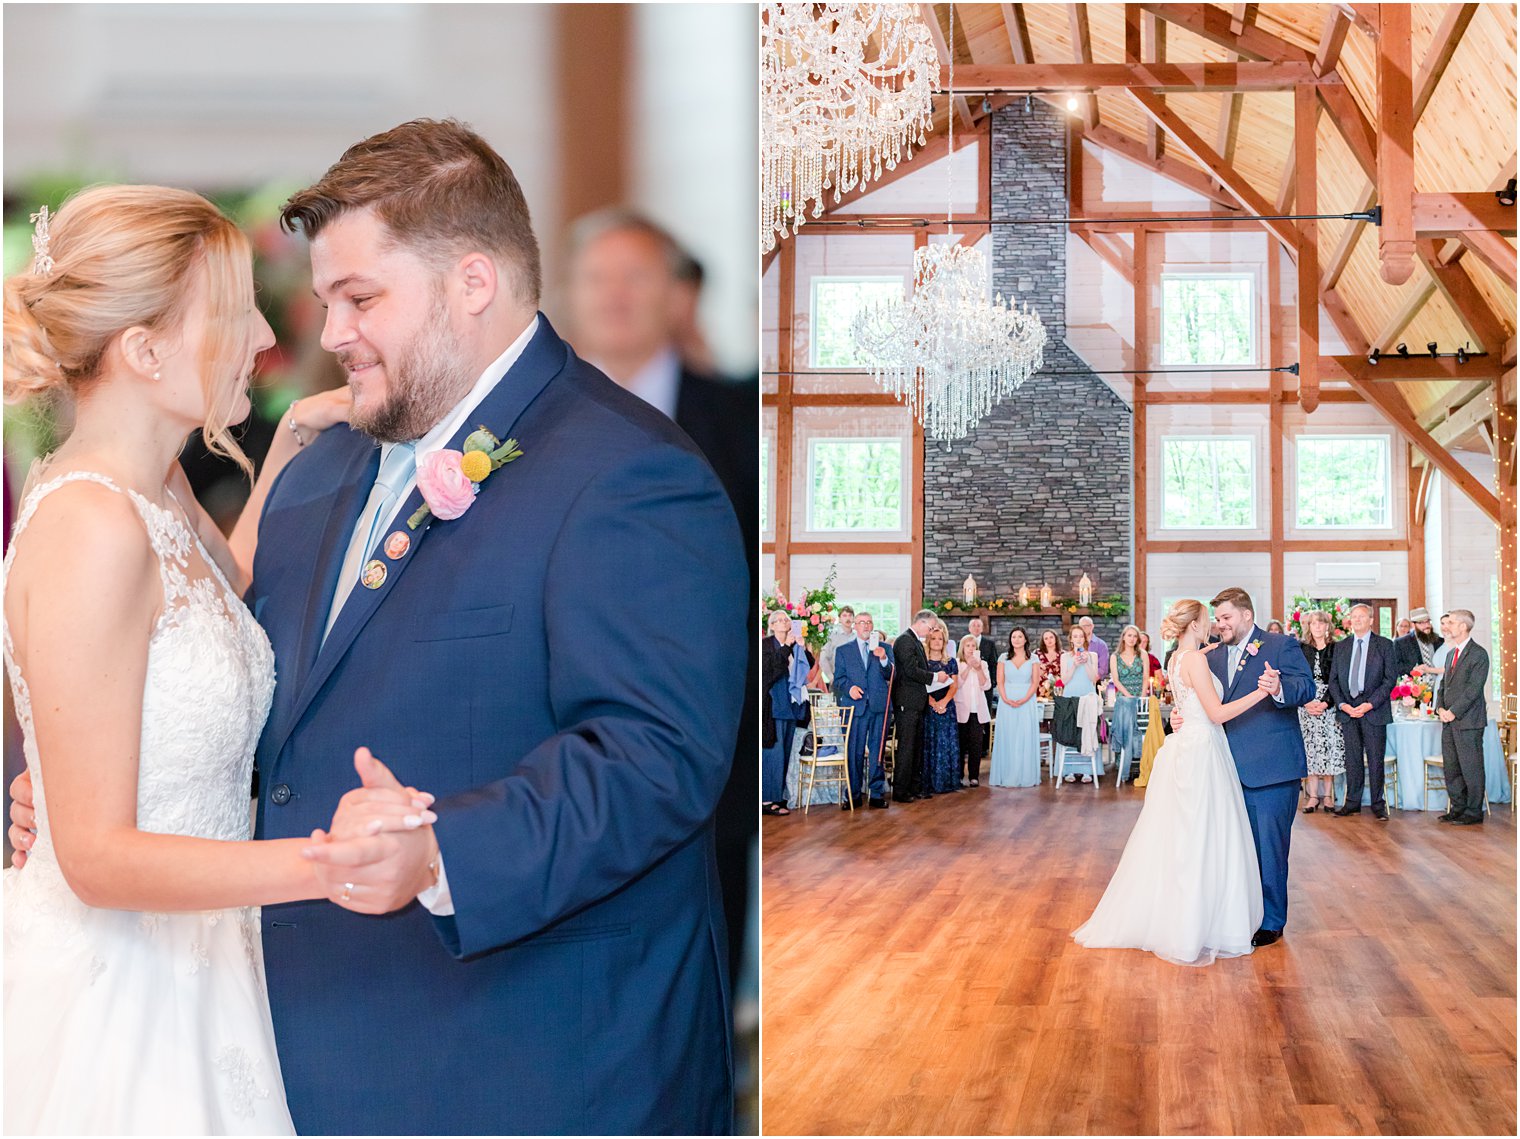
x=43 y=264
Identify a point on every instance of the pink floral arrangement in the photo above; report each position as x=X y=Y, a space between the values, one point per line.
x=1413 y=689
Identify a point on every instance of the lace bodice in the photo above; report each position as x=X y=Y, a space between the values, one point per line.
x=208 y=688
x=1186 y=699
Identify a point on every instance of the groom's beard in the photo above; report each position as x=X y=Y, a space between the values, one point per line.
x=427 y=380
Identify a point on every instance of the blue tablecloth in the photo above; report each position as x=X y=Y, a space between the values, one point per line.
x=1411 y=741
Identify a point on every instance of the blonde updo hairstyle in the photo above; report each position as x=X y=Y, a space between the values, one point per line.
x=124 y=257
x=1180 y=617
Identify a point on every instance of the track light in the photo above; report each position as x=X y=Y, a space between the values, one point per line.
x=1372 y=357
x=1403 y=350
x=1506 y=196
x=1461 y=355
x=1432 y=348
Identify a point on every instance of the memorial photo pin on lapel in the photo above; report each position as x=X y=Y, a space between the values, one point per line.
x=374 y=574
x=397 y=545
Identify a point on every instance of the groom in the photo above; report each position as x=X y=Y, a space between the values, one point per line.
x=1266 y=741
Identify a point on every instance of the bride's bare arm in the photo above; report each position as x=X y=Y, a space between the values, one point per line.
x=82 y=630
x=1200 y=680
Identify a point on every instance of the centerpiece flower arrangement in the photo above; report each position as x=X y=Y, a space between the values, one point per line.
x=1340 y=616
x=1413 y=694
x=818 y=610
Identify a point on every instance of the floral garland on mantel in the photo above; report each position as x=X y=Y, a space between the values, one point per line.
x=1114 y=605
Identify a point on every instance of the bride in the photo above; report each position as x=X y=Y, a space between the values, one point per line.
x=134 y=988
x=1187 y=888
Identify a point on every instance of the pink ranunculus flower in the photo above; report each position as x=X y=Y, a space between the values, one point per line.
x=813 y=620
x=443 y=484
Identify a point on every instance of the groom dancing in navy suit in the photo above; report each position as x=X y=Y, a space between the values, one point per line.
x=550 y=957
x=1266 y=742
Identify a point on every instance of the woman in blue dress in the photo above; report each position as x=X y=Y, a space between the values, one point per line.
x=1016 y=740
x=942 y=737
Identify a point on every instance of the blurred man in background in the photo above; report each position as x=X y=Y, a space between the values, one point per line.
x=632 y=302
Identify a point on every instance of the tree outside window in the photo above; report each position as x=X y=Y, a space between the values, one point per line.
x=855 y=484
x=836 y=300
x=1207 y=321
x=1343 y=482
x=1208 y=483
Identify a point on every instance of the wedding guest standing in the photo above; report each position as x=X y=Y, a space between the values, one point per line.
x=1361 y=681
x=785 y=667
x=942 y=751
x=1275 y=627
x=985 y=645
x=1403 y=628
x=1129 y=670
x=1323 y=743
x=1016 y=743
x=842 y=634
x=863 y=682
x=1049 y=653
x=1075 y=726
x=1417 y=646
x=971 y=710
x=1462 y=706
x=910 y=697
x=1155 y=665
x=1097 y=646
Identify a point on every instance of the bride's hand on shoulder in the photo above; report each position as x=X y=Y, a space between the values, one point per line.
x=314 y=414
x=1210 y=646
x=380 y=804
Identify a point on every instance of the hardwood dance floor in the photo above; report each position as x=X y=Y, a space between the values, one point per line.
x=919 y=978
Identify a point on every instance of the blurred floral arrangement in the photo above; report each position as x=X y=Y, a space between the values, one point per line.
x=818 y=610
x=1414 y=692
x=1303 y=605
x=1113 y=605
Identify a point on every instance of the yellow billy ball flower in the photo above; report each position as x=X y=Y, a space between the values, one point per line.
x=475 y=465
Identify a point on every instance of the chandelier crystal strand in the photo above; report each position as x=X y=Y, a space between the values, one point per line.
x=845 y=93
x=948 y=353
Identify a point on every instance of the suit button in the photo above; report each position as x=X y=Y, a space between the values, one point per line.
x=280 y=794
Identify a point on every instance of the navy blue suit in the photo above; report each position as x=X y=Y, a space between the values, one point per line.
x=581 y=985
x=1268 y=747
x=869 y=722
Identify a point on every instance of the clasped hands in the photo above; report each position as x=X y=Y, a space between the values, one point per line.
x=1356 y=712
x=380 y=851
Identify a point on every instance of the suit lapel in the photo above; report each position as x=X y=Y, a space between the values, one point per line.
x=1239 y=671
x=1219 y=664
x=544 y=358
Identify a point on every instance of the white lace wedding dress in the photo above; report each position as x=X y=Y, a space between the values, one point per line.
x=1187 y=888
x=150 y=1023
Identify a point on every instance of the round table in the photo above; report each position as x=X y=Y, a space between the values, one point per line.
x=1410 y=741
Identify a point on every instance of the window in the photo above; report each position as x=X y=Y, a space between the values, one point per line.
x=886 y=616
x=1208 y=321
x=1208 y=483
x=1343 y=481
x=855 y=484
x=836 y=300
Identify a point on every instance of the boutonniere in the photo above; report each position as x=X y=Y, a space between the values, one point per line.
x=449 y=480
x=1251 y=650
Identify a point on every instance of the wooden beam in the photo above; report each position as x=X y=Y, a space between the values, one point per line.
x=1132 y=35
x=786 y=294
x=1113 y=257
x=1305 y=152
x=1450 y=251
x=1353 y=126
x=1465 y=418
x=1345 y=323
x=1138 y=437
x=1493 y=251
x=1396 y=369
x=1153 y=76
x=1505 y=635
x=1443 y=45
x=1395 y=144
x=1230 y=105
x=1396 y=412
x=937 y=37
x=1347 y=243
x=1332 y=38
x=1222 y=172
x=1214 y=24
x=831 y=399
x=830 y=549
x=1275 y=496
x=1081 y=39
x=1422 y=493
x=1181 y=173
x=1018 y=33
x=1461 y=292
x=1451 y=215
x=1153 y=50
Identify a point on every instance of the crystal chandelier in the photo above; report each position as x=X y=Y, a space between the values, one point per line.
x=948 y=352
x=845 y=90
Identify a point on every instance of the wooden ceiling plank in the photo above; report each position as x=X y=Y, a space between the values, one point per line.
x=1443 y=45
x=1018 y=33
x=1395 y=143
x=1353 y=126
x=1082 y=76
x=1153 y=49
x=1081 y=38
x=1222 y=172
x=1347 y=244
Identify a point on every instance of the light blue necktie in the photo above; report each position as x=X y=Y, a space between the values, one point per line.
x=397 y=469
x=864 y=661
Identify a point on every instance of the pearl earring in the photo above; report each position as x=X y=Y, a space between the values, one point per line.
x=156 y=375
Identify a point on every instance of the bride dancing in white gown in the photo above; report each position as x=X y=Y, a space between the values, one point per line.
x=134 y=985
x=1187 y=888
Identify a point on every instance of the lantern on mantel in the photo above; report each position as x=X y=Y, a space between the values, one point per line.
x=1023 y=594
x=970 y=587
x=1084 y=591
x=1045 y=596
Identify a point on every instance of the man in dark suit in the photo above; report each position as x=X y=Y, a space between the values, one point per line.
x=1362 y=675
x=863 y=681
x=630 y=299
x=910 y=696
x=1416 y=647
x=1462 y=705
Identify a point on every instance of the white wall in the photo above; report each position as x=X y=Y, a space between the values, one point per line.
x=1463 y=551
